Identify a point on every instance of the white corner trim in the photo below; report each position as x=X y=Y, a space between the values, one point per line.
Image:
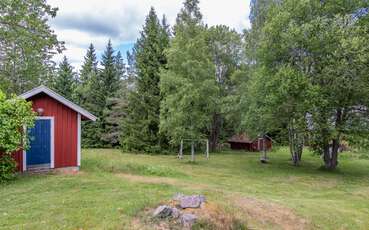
x=79 y=139
x=61 y=99
x=24 y=161
x=52 y=144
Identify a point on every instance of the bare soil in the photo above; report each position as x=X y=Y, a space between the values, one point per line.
x=270 y=215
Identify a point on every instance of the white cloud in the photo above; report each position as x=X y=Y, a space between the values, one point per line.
x=80 y=22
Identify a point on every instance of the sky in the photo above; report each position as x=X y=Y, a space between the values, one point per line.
x=81 y=22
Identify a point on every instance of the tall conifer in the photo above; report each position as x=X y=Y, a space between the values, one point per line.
x=116 y=105
x=141 y=126
x=65 y=80
x=87 y=94
x=89 y=65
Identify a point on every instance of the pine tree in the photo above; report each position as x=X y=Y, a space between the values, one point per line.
x=141 y=126
x=65 y=81
x=188 y=85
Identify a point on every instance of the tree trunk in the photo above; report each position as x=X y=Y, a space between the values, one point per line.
x=192 y=151
x=215 y=131
x=264 y=148
x=331 y=155
x=296 y=143
x=331 y=151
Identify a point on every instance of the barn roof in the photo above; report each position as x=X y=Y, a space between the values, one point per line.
x=59 y=98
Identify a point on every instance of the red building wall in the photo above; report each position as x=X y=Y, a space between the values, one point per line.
x=65 y=131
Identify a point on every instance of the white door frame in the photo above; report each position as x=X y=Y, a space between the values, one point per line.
x=52 y=144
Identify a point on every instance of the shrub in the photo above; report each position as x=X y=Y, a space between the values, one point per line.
x=15 y=113
x=7 y=168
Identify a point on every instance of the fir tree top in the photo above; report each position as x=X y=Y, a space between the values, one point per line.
x=109 y=76
x=65 y=80
x=90 y=64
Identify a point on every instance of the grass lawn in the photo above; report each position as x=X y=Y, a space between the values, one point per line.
x=112 y=188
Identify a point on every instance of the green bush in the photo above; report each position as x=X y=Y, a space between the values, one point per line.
x=7 y=168
x=15 y=113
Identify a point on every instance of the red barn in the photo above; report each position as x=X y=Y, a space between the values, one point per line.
x=244 y=142
x=55 y=141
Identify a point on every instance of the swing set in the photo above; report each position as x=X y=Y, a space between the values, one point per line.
x=192 y=141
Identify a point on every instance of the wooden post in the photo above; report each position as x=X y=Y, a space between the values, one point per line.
x=264 y=148
x=181 y=151
x=207 y=149
x=192 y=151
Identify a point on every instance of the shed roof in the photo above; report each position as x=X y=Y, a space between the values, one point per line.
x=59 y=98
x=240 y=138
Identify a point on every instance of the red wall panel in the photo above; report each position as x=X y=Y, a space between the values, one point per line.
x=65 y=129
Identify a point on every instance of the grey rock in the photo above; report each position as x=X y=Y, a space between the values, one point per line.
x=192 y=201
x=188 y=220
x=178 y=196
x=163 y=211
x=175 y=213
x=202 y=198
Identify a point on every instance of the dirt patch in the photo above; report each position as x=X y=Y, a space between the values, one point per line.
x=270 y=214
x=210 y=217
x=258 y=213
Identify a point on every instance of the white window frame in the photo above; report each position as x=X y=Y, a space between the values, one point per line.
x=52 y=144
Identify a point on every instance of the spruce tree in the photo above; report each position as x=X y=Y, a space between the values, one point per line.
x=141 y=126
x=89 y=96
x=65 y=81
x=120 y=66
x=130 y=70
x=110 y=82
x=88 y=69
x=109 y=76
x=95 y=103
x=89 y=65
x=116 y=105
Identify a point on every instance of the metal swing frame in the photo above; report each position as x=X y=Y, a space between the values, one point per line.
x=180 y=154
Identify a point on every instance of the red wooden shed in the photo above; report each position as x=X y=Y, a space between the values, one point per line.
x=244 y=142
x=55 y=141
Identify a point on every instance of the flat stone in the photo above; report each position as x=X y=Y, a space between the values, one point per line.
x=191 y=201
x=188 y=220
x=162 y=211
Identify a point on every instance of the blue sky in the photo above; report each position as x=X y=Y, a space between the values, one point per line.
x=81 y=22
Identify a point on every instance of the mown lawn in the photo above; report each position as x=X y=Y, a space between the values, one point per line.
x=113 y=188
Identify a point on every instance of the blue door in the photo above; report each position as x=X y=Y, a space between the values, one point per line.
x=40 y=140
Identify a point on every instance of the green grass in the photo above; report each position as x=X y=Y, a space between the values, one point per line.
x=102 y=196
